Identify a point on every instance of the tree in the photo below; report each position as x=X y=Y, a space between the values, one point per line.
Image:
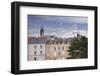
x=78 y=47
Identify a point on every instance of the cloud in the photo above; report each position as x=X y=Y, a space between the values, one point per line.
x=56 y=21
x=58 y=32
x=60 y=26
x=68 y=34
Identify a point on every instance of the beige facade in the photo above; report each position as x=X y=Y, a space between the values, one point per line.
x=56 y=50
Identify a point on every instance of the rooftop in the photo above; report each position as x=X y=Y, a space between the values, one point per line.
x=48 y=40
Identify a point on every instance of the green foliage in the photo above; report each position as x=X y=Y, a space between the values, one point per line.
x=78 y=47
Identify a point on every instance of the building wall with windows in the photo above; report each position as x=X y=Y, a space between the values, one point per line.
x=57 y=50
x=36 y=52
x=47 y=47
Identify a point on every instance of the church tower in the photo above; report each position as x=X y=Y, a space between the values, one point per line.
x=41 y=32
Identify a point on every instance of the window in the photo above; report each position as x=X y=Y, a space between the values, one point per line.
x=63 y=48
x=35 y=58
x=41 y=52
x=40 y=46
x=59 y=53
x=66 y=42
x=57 y=42
x=61 y=42
x=35 y=52
x=35 y=47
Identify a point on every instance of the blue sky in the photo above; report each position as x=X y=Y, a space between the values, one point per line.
x=61 y=26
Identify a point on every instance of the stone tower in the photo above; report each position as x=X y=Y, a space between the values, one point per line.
x=41 y=32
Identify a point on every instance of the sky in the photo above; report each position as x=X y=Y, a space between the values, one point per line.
x=60 y=26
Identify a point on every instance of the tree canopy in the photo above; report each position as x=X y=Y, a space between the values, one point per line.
x=78 y=47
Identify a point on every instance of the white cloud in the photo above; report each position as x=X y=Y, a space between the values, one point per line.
x=59 y=32
x=67 y=34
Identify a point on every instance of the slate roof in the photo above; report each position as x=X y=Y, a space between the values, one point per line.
x=34 y=40
x=47 y=40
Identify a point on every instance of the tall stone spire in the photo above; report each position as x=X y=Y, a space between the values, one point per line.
x=41 y=31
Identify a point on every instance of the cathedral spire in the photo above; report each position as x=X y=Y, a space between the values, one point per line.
x=42 y=31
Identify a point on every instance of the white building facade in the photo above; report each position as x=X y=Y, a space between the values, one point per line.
x=36 y=52
x=36 y=47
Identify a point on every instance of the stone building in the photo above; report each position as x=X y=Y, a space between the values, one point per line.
x=47 y=47
x=36 y=47
x=57 y=49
